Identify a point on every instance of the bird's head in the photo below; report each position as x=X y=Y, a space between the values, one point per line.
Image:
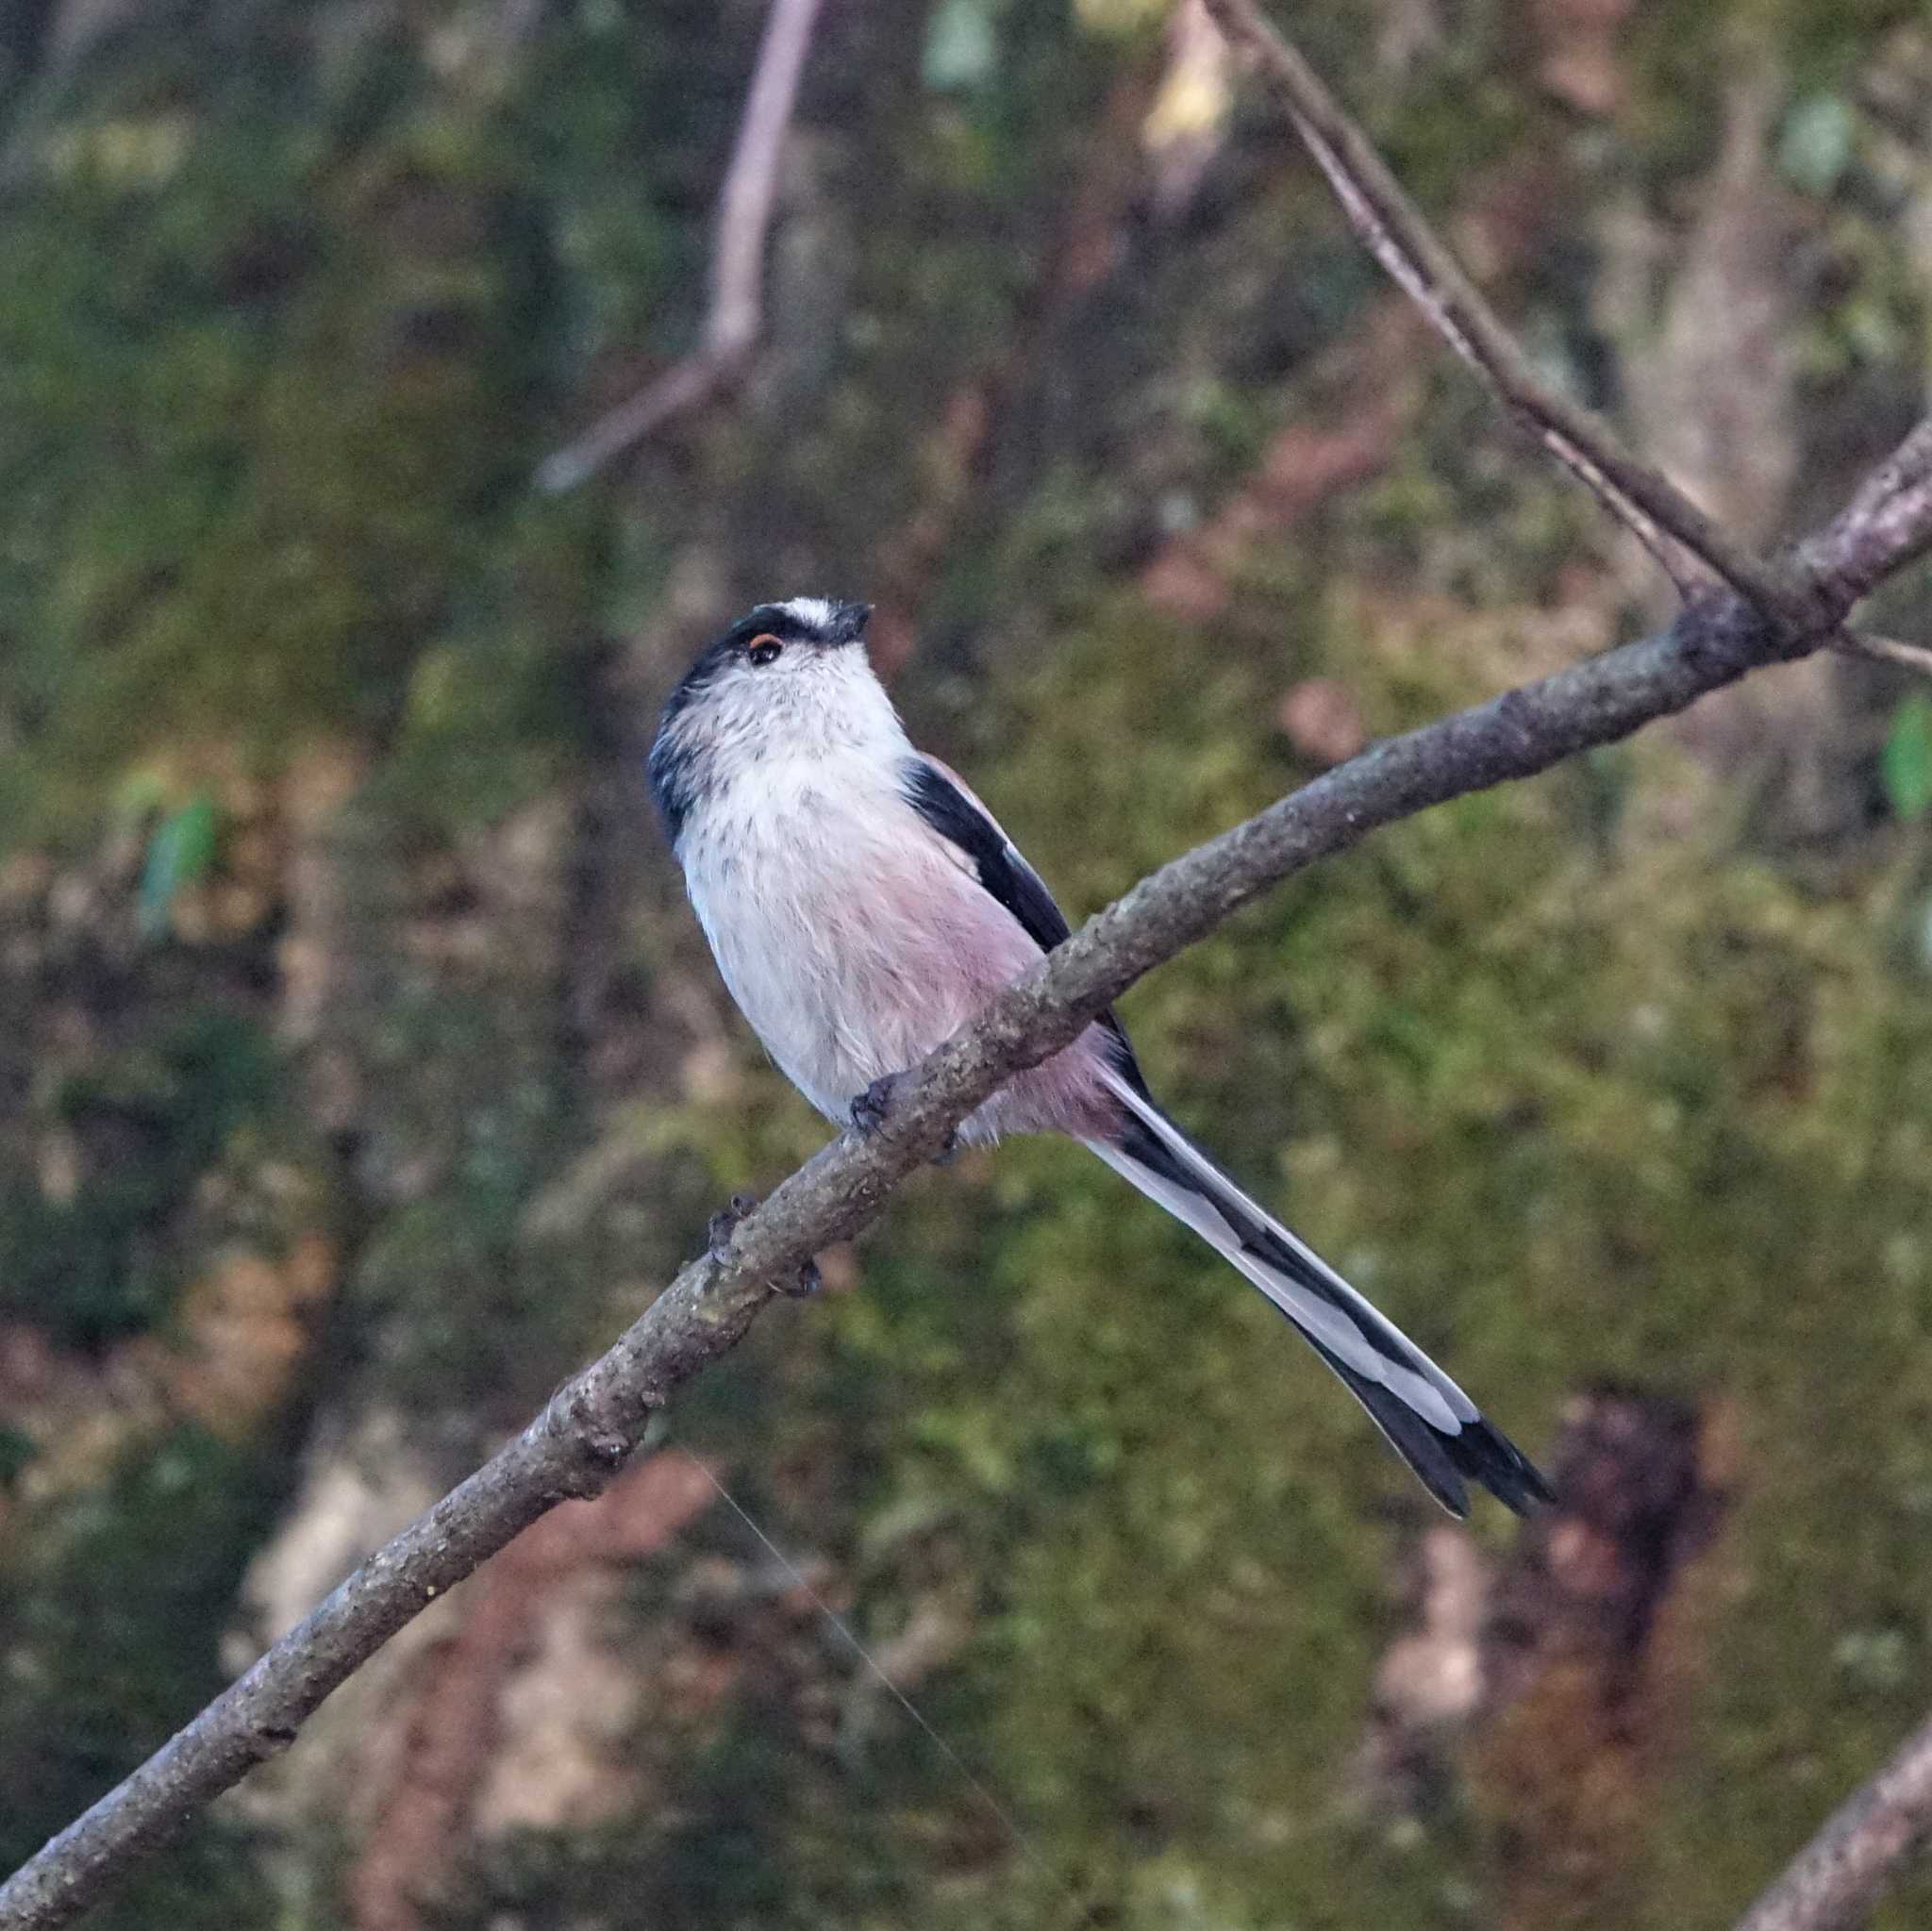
x=790 y=679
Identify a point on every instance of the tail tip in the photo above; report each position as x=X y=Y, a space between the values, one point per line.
x=1483 y=1452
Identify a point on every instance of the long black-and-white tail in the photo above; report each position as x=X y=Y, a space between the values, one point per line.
x=1431 y=1424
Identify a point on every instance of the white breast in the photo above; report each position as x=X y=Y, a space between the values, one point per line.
x=852 y=937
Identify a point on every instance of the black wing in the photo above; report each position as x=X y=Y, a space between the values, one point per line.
x=960 y=818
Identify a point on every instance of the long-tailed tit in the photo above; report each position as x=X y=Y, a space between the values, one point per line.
x=863 y=905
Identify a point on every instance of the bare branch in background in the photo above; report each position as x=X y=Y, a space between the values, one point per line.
x=1868 y=1841
x=738 y=263
x=594 y=1424
x=1394 y=231
x=1402 y=239
x=1885 y=650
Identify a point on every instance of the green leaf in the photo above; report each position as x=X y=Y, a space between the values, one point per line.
x=1815 y=146
x=961 y=48
x=180 y=852
x=1905 y=764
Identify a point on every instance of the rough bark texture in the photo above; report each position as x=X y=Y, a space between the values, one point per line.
x=1837 y=1878
x=594 y=1423
x=361 y=1072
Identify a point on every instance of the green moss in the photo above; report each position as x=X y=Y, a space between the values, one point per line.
x=269 y=400
x=283 y=334
x=150 y=1121
x=111 y=1620
x=1567 y=1109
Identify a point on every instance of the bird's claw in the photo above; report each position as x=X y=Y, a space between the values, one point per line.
x=725 y=1223
x=869 y=1111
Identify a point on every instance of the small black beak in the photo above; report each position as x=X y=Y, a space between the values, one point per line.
x=850 y=620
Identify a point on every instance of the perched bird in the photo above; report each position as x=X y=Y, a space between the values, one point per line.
x=863 y=905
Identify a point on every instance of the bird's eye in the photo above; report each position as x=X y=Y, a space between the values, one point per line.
x=763 y=649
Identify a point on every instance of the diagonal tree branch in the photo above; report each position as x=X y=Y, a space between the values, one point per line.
x=1835 y=1879
x=1395 y=230
x=1888 y=1821
x=738 y=263
x=594 y=1424
x=1402 y=239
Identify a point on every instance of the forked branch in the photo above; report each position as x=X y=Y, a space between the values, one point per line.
x=738 y=263
x=1395 y=230
x=594 y=1424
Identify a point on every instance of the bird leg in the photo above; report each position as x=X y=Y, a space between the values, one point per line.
x=869 y=1108
x=869 y=1111
x=725 y=1223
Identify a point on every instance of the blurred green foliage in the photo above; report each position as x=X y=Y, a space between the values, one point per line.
x=289 y=318
x=179 y=854
x=100 y=1264
x=1906 y=762
x=1647 y=1118
x=134 y=1586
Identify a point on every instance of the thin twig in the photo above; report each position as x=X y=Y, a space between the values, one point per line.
x=1867 y=1841
x=738 y=263
x=681 y=389
x=592 y=1426
x=1885 y=650
x=1395 y=232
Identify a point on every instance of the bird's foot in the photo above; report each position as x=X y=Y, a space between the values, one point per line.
x=869 y=1111
x=725 y=1223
